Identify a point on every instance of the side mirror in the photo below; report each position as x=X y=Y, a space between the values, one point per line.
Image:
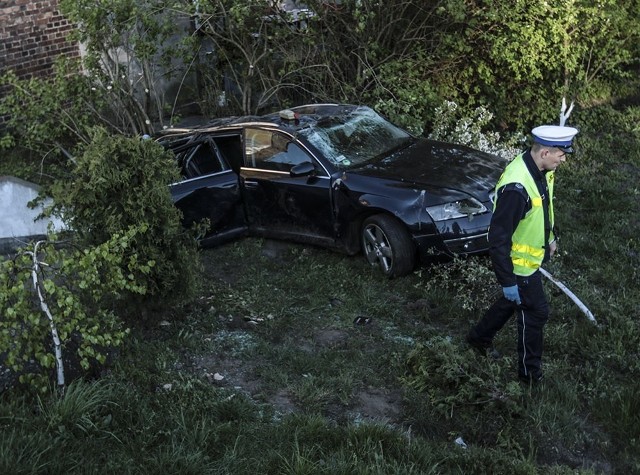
x=302 y=169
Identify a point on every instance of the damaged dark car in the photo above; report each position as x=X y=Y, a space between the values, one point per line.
x=337 y=176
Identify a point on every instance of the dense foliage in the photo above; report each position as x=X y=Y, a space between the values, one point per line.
x=521 y=57
x=127 y=257
x=49 y=116
x=147 y=60
x=405 y=57
x=118 y=183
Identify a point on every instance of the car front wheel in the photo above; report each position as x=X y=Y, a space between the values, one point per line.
x=387 y=244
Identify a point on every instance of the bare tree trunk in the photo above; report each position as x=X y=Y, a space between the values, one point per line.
x=45 y=308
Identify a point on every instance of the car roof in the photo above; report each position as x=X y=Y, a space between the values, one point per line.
x=303 y=116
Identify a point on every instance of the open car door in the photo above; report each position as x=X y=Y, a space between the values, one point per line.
x=210 y=189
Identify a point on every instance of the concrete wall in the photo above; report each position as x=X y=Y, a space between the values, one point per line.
x=17 y=225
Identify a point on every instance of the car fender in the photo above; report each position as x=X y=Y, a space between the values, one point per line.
x=352 y=208
x=410 y=209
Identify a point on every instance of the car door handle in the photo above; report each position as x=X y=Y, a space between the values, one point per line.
x=250 y=184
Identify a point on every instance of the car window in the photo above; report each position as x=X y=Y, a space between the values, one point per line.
x=201 y=160
x=268 y=150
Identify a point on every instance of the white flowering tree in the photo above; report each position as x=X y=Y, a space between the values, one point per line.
x=452 y=125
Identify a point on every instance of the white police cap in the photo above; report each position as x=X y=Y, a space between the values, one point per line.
x=555 y=136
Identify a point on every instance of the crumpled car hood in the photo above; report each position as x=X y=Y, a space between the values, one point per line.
x=429 y=164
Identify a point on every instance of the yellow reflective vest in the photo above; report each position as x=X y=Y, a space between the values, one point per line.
x=528 y=242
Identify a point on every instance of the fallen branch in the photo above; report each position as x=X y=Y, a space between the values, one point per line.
x=570 y=294
x=45 y=308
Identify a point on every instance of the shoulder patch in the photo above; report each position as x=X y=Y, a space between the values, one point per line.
x=517 y=187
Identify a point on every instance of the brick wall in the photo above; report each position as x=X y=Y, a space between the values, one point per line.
x=32 y=34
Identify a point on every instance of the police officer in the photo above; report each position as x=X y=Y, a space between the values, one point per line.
x=521 y=238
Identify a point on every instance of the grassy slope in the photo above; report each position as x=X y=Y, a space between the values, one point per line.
x=307 y=391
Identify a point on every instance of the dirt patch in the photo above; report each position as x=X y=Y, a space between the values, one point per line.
x=381 y=405
x=330 y=338
x=230 y=373
x=557 y=454
x=371 y=404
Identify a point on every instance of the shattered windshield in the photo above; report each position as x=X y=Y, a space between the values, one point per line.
x=355 y=138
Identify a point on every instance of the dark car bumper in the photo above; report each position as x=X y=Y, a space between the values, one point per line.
x=431 y=245
x=461 y=236
x=468 y=244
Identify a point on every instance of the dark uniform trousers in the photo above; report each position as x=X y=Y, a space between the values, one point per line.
x=531 y=316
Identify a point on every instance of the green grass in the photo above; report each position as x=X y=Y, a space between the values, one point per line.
x=281 y=332
x=304 y=390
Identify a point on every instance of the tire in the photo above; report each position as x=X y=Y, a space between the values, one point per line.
x=386 y=244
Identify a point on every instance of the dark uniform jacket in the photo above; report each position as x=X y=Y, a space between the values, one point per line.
x=512 y=206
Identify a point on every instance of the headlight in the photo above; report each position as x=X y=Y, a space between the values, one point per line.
x=457 y=209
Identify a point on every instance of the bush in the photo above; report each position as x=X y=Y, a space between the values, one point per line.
x=118 y=183
x=48 y=115
x=404 y=95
